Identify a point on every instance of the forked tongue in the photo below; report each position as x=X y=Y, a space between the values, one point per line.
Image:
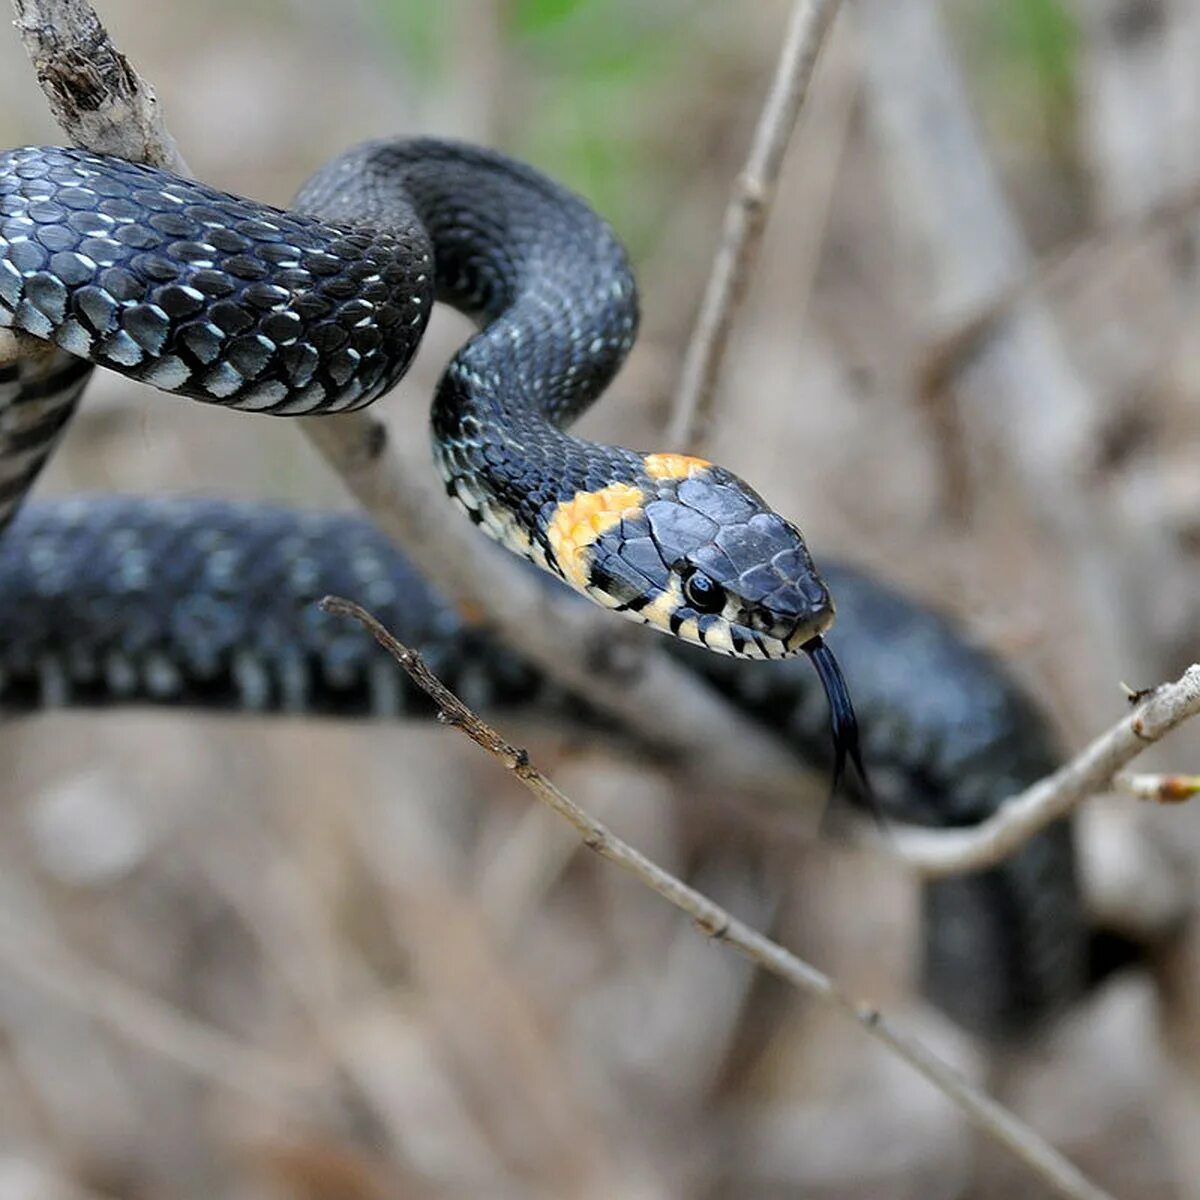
x=842 y=721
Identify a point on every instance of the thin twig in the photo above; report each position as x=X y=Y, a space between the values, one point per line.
x=715 y=922
x=941 y=852
x=1162 y=789
x=745 y=219
x=671 y=711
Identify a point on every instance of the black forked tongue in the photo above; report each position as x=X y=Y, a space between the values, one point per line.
x=842 y=721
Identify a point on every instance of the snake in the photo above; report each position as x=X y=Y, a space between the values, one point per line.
x=319 y=309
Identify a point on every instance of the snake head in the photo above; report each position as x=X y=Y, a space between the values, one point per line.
x=691 y=549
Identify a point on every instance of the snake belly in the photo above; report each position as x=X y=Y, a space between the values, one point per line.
x=209 y=604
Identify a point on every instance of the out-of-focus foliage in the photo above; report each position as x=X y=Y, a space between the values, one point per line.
x=533 y=16
x=1025 y=60
x=413 y=28
x=583 y=76
x=1040 y=38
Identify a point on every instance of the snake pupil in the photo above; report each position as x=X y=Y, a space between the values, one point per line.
x=705 y=595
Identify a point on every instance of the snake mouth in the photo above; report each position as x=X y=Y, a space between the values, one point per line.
x=842 y=719
x=806 y=631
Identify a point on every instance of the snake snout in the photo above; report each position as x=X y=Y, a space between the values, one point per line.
x=787 y=600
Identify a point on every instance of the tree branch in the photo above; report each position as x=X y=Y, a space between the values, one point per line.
x=745 y=219
x=715 y=922
x=93 y=93
x=936 y=853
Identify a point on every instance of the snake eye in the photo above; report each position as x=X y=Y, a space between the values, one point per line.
x=705 y=595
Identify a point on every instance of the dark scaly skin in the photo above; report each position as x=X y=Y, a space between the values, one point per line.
x=37 y=399
x=195 y=291
x=210 y=604
x=320 y=310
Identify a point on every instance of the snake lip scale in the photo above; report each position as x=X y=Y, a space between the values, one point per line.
x=321 y=308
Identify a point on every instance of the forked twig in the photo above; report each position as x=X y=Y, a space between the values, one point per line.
x=938 y=852
x=715 y=922
x=744 y=221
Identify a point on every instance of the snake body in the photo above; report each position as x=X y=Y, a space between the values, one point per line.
x=320 y=309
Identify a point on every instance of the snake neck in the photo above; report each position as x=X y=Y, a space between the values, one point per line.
x=544 y=276
x=550 y=287
x=510 y=477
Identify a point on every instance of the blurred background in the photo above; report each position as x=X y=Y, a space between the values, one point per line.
x=275 y=959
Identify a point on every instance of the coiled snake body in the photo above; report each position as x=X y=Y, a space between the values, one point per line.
x=205 y=603
x=320 y=310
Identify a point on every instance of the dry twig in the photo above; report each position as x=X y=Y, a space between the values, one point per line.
x=745 y=219
x=1162 y=789
x=715 y=922
x=671 y=711
x=91 y=89
x=950 y=851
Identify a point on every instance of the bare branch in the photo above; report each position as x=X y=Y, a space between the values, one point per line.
x=715 y=922
x=941 y=852
x=670 y=710
x=745 y=219
x=99 y=100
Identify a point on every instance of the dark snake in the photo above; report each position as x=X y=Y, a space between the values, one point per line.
x=320 y=309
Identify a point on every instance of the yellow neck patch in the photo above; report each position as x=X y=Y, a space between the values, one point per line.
x=578 y=522
x=673 y=466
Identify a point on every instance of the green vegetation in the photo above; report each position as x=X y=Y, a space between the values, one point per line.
x=1040 y=39
x=588 y=79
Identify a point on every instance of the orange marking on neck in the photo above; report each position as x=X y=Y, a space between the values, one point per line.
x=578 y=522
x=673 y=466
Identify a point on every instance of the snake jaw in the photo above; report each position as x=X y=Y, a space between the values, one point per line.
x=842 y=719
